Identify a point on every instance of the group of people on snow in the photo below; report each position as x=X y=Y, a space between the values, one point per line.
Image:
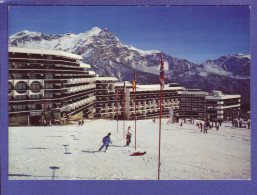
x=107 y=140
x=81 y=122
x=206 y=126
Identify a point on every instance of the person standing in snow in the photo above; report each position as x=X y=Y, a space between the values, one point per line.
x=205 y=128
x=106 y=141
x=128 y=138
x=201 y=125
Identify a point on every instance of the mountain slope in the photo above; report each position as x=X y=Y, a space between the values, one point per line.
x=109 y=57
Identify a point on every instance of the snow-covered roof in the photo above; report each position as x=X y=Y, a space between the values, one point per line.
x=106 y=79
x=155 y=87
x=122 y=84
x=84 y=65
x=44 y=52
x=196 y=91
x=222 y=97
x=91 y=72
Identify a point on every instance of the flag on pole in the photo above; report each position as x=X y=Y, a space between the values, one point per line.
x=162 y=77
x=134 y=81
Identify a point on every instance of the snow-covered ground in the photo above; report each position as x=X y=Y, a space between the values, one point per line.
x=71 y=152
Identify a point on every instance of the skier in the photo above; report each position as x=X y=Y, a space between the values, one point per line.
x=106 y=140
x=82 y=122
x=128 y=138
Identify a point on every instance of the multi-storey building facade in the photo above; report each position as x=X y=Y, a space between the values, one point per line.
x=47 y=85
x=147 y=98
x=192 y=104
x=107 y=104
x=220 y=106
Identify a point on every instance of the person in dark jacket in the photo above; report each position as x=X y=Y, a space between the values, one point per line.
x=128 y=138
x=106 y=141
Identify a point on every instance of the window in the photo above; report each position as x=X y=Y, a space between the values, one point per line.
x=49 y=57
x=33 y=106
x=48 y=76
x=35 y=97
x=17 y=76
x=20 y=97
x=20 y=86
x=9 y=86
x=32 y=76
x=20 y=107
x=35 y=86
x=48 y=86
x=48 y=95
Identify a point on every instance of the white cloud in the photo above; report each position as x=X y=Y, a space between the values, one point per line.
x=203 y=74
x=213 y=69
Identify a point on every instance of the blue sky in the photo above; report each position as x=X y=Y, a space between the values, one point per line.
x=195 y=33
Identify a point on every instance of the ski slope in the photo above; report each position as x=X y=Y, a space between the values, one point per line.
x=71 y=152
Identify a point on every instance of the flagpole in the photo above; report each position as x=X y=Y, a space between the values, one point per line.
x=160 y=123
x=162 y=78
x=124 y=93
x=117 y=117
x=117 y=97
x=135 y=112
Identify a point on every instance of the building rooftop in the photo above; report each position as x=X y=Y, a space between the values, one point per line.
x=155 y=87
x=44 y=52
x=106 y=79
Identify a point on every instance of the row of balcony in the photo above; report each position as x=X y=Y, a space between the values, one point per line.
x=42 y=61
x=39 y=57
x=78 y=104
x=32 y=107
x=25 y=76
x=81 y=80
x=80 y=88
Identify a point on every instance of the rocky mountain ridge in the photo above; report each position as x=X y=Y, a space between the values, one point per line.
x=108 y=56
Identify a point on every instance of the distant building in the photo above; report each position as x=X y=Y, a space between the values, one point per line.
x=192 y=104
x=48 y=85
x=106 y=101
x=220 y=106
x=148 y=101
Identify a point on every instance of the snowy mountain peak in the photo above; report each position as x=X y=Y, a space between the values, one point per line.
x=108 y=56
x=93 y=31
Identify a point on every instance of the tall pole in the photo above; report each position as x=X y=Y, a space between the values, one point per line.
x=162 y=78
x=135 y=112
x=160 y=123
x=117 y=98
x=117 y=117
x=124 y=94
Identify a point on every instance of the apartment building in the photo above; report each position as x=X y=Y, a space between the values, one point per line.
x=47 y=85
x=220 y=106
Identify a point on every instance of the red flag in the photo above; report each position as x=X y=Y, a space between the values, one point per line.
x=134 y=81
x=162 y=77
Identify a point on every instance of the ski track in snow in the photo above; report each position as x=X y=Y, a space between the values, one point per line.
x=71 y=152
